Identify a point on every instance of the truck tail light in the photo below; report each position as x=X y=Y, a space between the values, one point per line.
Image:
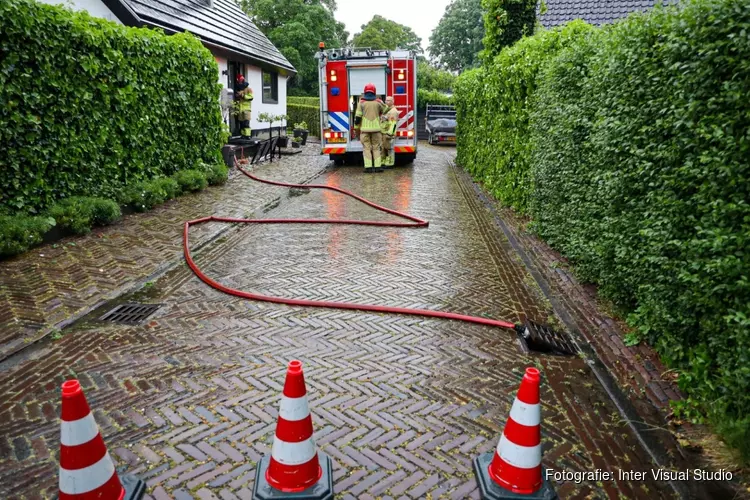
x=405 y=133
x=333 y=75
x=332 y=136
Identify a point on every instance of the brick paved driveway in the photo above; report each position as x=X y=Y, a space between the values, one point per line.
x=401 y=404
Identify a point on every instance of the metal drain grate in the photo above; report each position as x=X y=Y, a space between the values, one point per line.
x=130 y=314
x=542 y=338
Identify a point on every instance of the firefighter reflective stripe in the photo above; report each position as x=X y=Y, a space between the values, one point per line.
x=370 y=112
x=370 y=125
x=338 y=121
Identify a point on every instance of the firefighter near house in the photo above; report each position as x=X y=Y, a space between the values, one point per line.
x=343 y=75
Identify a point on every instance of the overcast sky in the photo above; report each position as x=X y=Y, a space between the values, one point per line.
x=420 y=15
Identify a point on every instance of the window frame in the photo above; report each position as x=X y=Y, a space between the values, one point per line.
x=274 y=87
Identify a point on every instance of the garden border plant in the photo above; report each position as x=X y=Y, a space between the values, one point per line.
x=79 y=214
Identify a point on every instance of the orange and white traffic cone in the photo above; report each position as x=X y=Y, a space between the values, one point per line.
x=514 y=470
x=86 y=469
x=295 y=469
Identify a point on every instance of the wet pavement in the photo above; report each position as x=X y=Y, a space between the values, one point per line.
x=48 y=285
x=401 y=404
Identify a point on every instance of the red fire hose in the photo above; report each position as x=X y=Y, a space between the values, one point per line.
x=416 y=222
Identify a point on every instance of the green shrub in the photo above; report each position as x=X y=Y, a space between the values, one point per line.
x=425 y=97
x=169 y=187
x=191 y=181
x=20 y=232
x=736 y=433
x=216 y=173
x=80 y=214
x=146 y=195
x=492 y=107
x=303 y=113
x=81 y=100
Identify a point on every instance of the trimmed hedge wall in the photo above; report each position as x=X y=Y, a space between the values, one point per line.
x=307 y=101
x=89 y=106
x=298 y=113
x=493 y=114
x=636 y=165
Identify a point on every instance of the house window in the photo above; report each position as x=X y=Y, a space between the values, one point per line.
x=270 y=88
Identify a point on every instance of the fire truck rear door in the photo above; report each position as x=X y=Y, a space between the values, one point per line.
x=359 y=76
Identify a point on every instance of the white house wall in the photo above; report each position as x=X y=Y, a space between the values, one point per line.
x=255 y=79
x=223 y=66
x=94 y=7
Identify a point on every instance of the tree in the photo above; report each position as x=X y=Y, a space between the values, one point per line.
x=384 y=34
x=457 y=40
x=431 y=78
x=296 y=27
x=506 y=22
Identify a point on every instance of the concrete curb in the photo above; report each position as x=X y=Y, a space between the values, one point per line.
x=13 y=357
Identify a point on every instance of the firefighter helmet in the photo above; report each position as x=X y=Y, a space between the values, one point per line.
x=370 y=87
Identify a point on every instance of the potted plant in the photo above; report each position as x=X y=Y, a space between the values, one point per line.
x=282 y=139
x=300 y=130
x=268 y=117
x=296 y=142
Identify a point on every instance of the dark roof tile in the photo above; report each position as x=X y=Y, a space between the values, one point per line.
x=224 y=24
x=597 y=13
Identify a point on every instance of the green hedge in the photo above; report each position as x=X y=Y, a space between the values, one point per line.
x=298 y=113
x=307 y=101
x=425 y=97
x=493 y=113
x=636 y=165
x=89 y=106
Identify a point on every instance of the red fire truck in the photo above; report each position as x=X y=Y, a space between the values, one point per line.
x=343 y=74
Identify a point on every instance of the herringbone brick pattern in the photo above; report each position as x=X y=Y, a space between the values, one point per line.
x=401 y=404
x=51 y=283
x=638 y=368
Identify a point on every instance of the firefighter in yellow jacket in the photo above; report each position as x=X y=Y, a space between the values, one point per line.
x=244 y=95
x=367 y=120
x=388 y=124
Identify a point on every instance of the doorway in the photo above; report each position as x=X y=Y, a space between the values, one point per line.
x=234 y=69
